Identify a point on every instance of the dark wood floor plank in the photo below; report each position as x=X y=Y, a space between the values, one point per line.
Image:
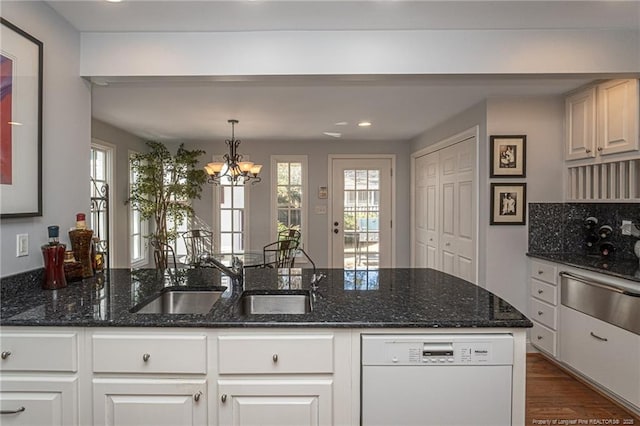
x=553 y=394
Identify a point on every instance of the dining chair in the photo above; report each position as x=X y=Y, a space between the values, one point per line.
x=199 y=246
x=161 y=248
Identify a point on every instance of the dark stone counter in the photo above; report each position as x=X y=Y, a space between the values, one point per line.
x=421 y=298
x=621 y=268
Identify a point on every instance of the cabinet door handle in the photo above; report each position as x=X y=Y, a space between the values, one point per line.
x=5 y=354
x=540 y=291
x=539 y=337
x=19 y=410
x=275 y=358
x=540 y=312
x=223 y=398
x=600 y=148
x=197 y=396
x=146 y=357
x=540 y=272
x=588 y=151
x=602 y=339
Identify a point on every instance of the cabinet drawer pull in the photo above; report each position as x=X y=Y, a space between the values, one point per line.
x=539 y=337
x=602 y=339
x=146 y=357
x=600 y=148
x=223 y=398
x=197 y=396
x=19 y=410
x=540 y=312
x=5 y=354
x=275 y=358
x=540 y=291
x=540 y=272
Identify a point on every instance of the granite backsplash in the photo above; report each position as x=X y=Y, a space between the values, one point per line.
x=560 y=227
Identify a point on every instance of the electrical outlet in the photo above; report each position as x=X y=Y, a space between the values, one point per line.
x=22 y=245
x=626 y=227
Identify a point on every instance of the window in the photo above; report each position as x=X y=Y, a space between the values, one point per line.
x=100 y=166
x=138 y=227
x=289 y=193
x=231 y=212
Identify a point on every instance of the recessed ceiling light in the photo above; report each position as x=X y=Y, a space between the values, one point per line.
x=341 y=123
x=333 y=134
x=364 y=124
x=14 y=123
x=114 y=1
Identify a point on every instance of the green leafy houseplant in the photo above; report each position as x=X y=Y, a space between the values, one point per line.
x=162 y=189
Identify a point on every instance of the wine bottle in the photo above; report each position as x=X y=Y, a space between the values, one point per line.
x=592 y=240
x=590 y=223
x=607 y=249
x=604 y=231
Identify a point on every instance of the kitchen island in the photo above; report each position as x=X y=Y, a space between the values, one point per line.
x=109 y=365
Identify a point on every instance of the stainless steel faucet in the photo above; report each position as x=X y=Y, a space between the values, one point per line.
x=235 y=272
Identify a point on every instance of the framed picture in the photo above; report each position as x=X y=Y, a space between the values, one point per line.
x=508 y=156
x=21 y=124
x=508 y=203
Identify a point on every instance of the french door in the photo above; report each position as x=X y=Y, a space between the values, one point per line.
x=361 y=216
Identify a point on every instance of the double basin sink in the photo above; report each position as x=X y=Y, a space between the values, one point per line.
x=251 y=302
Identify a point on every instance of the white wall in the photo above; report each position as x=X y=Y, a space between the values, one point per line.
x=360 y=52
x=66 y=135
x=124 y=142
x=541 y=119
x=502 y=265
x=319 y=232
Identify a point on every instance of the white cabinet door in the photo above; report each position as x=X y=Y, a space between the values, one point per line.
x=35 y=401
x=152 y=402
x=275 y=402
x=457 y=210
x=580 y=124
x=618 y=116
x=426 y=211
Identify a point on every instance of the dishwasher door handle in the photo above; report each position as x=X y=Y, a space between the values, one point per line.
x=598 y=284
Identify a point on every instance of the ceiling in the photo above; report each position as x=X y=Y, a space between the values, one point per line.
x=303 y=107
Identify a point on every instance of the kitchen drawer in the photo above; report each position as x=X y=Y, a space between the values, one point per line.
x=543 y=313
x=544 y=272
x=543 y=338
x=39 y=352
x=543 y=291
x=149 y=354
x=603 y=352
x=269 y=354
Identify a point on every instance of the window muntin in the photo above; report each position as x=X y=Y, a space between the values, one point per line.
x=289 y=193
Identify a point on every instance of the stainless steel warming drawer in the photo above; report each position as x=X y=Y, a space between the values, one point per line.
x=614 y=305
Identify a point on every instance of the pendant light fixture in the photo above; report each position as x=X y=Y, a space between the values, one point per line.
x=238 y=172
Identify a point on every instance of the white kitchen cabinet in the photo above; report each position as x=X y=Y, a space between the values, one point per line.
x=39 y=401
x=275 y=402
x=607 y=354
x=149 y=377
x=153 y=402
x=283 y=378
x=39 y=382
x=601 y=120
x=543 y=303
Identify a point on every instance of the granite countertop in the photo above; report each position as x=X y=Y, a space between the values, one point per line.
x=351 y=299
x=622 y=268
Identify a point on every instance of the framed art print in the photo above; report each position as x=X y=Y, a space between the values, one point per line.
x=21 y=125
x=508 y=156
x=508 y=203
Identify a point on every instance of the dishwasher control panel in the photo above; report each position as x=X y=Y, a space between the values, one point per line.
x=455 y=349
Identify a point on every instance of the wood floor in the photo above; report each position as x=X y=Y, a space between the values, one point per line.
x=553 y=394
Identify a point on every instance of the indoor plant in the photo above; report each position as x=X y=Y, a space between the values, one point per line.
x=162 y=188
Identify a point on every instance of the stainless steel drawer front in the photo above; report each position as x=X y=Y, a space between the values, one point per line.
x=600 y=300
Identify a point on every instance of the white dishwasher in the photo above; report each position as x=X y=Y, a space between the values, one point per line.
x=436 y=379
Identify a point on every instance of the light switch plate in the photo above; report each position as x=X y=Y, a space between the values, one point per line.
x=22 y=245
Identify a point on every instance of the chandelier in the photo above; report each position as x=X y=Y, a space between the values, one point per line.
x=238 y=172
